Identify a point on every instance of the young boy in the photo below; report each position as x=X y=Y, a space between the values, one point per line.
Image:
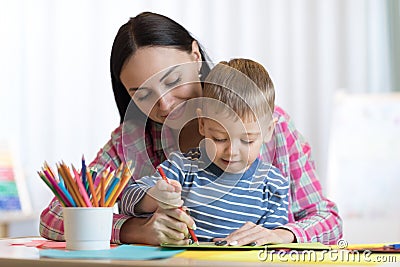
x=222 y=182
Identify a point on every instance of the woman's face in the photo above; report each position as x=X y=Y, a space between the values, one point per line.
x=160 y=80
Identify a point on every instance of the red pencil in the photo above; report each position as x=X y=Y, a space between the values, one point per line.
x=190 y=230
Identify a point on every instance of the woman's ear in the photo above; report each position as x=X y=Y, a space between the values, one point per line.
x=196 y=51
x=270 y=130
x=196 y=55
x=201 y=121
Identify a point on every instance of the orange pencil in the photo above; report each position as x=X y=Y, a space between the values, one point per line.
x=108 y=177
x=91 y=188
x=70 y=183
x=47 y=166
x=68 y=186
x=102 y=192
x=118 y=172
x=161 y=171
x=74 y=187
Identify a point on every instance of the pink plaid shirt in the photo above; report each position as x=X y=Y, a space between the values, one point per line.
x=312 y=217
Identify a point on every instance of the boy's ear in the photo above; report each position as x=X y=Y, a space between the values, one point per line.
x=200 y=120
x=270 y=130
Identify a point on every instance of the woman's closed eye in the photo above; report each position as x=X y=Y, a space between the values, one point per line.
x=142 y=94
x=247 y=142
x=173 y=83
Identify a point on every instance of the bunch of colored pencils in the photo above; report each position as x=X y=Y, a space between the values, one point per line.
x=77 y=188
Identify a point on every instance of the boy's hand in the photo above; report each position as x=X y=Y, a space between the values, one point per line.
x=257 y=234
x=168 y=196
x=165 y=226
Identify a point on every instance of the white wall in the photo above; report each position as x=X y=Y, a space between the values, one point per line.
x=56 y=100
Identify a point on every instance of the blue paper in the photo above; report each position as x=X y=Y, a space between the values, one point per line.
x=123 y=252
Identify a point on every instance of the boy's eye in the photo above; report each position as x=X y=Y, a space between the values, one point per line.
x=219 y=140
x=247 y=141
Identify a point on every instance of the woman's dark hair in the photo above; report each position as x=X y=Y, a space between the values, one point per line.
x=146 y=29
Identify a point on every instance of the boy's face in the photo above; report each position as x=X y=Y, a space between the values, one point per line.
x=232 y=144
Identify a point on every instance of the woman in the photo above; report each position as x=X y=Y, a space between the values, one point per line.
x=156 y=67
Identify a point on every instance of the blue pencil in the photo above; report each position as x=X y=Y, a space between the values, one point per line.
x=83 y=174
x=67 y=194
x=111 y=187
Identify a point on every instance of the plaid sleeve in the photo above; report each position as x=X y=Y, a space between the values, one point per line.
x=312 y=218
x=51 y=222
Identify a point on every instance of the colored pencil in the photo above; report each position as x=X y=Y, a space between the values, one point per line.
x=107 y=174
x=57 y=188
x=91 y=188
x=42 y=176
x=47 y=166
x=102 y=191
x=67 y=193
x=126 y=175
x=73 y=186
x=112 y=189
x=83 y=174
x=81 y=188
x=70 y=189
x=112 y=186
x=164 y=177
x=69 y=185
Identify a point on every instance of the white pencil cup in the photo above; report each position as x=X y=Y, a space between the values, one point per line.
x=87 y=228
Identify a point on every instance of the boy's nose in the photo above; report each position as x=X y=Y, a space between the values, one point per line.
x=232 y=149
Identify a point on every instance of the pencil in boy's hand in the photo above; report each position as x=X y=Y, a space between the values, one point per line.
x=164 y=177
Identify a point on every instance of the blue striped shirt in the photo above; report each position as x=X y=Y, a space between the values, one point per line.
x=219 y=202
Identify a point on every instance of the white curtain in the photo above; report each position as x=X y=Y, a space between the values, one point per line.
x=56 y=100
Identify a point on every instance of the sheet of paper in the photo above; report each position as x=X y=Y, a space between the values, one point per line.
x=212 y=246
x=291 y=258
x=41 y=244
x=123 y=252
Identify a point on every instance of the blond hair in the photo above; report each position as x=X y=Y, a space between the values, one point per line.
x=242 y=85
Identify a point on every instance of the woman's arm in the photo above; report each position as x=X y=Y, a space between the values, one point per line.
x=312 y=216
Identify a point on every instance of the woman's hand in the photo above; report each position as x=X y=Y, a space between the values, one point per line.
x=164 y=226
x=167 y=195
x=250 y=233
